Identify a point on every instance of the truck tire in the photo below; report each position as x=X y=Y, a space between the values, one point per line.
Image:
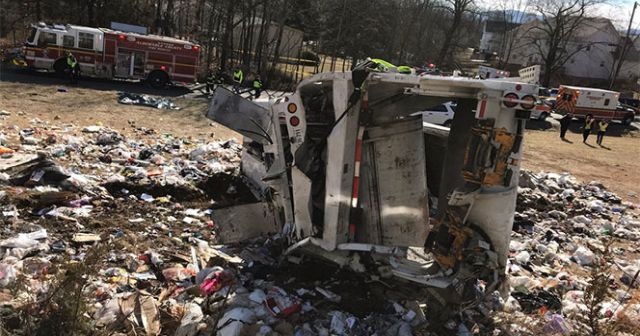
x=627 y=120
x=60 y=67
x=543 y=116
x=158 y=79
x=447 y=123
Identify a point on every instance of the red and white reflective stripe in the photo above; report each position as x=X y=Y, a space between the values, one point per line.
x=356 y=180
x=356 y=168
x=482 y=109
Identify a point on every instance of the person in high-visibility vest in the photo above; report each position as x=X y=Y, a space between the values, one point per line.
x=602 y=129
x=588 y=125
x=238 y=78
x=74 y=68
x=382 y=65
x=404 y=69
x=257 y=86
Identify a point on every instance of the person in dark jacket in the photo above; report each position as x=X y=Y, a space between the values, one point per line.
x=211 y=82
x=588 y=126
x=564 y=125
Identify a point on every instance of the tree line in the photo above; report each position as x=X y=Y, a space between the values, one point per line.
x=336 y=33
x=249 y=32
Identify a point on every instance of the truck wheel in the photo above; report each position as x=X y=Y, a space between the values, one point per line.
x=543 y=116
x=158 y=79
x=627 y=120
x=447 y=123
x=60 y=67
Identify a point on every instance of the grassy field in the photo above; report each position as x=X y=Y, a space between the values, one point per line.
x=617 y=165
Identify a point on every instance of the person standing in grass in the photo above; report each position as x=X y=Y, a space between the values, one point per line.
x=602 y=129
x=564 y=125
x=588 y=125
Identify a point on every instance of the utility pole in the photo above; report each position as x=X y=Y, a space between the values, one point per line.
x=624 y=47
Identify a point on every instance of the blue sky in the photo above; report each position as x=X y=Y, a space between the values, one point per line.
x=618 y=11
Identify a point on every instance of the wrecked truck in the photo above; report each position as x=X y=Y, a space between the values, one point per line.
x=344 y=171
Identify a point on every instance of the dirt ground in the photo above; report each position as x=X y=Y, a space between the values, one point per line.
x=616 y=164
x=94 y=102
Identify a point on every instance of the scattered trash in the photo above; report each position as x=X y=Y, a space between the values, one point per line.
x=584 y=256
x=85 y=238
x=281 y=304
x=536 y=300
x=152 y=206
x=145 y=100
x=556 y=325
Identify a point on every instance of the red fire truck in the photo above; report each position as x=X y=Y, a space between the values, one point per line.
x=108 y=53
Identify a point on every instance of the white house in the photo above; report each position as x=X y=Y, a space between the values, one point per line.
x=592 y=48
x=493 y=35
x=290 y=46
x=630 y=70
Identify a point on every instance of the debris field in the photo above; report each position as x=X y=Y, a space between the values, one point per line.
x=108 y=234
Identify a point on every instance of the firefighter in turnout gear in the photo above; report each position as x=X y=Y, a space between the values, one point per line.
x=211 y=82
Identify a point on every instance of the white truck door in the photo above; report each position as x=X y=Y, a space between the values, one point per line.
x=394 y=185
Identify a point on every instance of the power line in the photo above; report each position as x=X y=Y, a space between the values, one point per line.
x=624 y=47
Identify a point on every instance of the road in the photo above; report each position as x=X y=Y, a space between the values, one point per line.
x=10 y=74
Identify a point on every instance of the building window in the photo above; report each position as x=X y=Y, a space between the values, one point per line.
x=601 y=63
x=606 y=102
x=85 y=40
x=68 y=41
x=47 y=38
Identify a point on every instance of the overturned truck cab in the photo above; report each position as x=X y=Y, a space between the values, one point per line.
x=348 y=174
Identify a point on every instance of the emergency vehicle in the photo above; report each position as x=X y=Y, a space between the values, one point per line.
x=343 y=169
x=108 y=53
x=486 y=72
x=602 y=104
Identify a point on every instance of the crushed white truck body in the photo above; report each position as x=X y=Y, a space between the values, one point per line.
x=350 y=175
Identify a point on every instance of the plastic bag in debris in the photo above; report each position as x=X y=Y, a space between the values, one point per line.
x=7 y=274
x=584 y=256
x=339 y=324
x=533 y=301
x=214 y=279
x=189 y=324
x=523 y=257
x=25 y=240
x=145 y=100
x=111 y=138
x=555 y=325
x=234 y=321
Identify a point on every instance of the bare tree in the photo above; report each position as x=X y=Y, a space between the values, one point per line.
x=554 y=37
x=457 y=8
x=509 y=13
